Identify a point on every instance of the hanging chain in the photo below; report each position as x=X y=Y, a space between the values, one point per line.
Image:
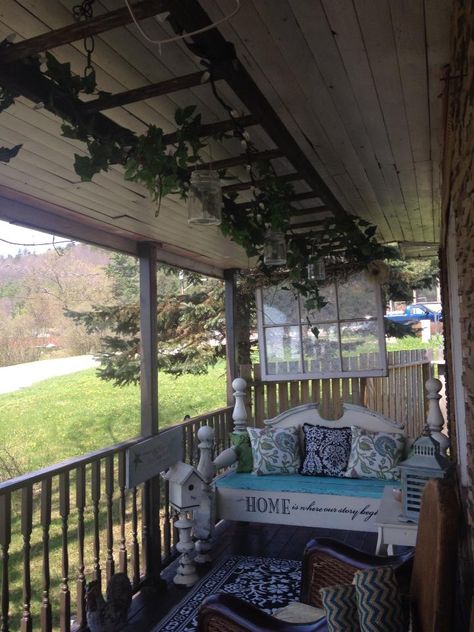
x=82 y=13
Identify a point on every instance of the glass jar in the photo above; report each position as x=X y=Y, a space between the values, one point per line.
x=274 y=249
x=205 y=198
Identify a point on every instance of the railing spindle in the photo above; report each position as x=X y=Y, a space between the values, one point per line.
x=123 y=512
x=95 y=495
x=190 y=443
x=46 y=620
x=81 y=578
x=167 y=519
x=26 y=526
x=5 y=539
x=109 y=493
x=135 y=555
x=64 y=595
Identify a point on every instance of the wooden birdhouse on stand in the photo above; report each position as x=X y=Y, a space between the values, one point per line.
x=190 y=491
x=185 y=488
x=425 y=462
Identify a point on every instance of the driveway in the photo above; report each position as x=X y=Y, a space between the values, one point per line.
x=12 y=378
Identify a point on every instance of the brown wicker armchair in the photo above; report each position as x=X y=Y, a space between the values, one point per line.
x=428 y=576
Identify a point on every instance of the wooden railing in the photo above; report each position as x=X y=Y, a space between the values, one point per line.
x=400 y=395
x=64 y=525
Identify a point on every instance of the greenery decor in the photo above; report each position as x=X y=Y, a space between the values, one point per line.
x=164 y=168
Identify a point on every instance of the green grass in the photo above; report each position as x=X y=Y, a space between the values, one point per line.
x=409 y=343
x=68 y=416
x=74 y=414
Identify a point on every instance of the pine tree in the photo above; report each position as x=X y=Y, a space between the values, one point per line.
x=191 y=325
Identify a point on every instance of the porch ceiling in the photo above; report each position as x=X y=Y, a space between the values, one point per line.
x=357 y=84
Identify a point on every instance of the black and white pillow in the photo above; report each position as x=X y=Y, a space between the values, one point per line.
x=326 y=450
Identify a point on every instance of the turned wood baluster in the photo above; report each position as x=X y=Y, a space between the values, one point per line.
x=109 y=492
x=190 y=444
x=5 y=539
x=123 y=511
x=95 y=494
x=167 y=519
x=135 y=552
x=45 y=616
x=64 y=595
x=145 y=530
x=26 y=526
x=81 y=578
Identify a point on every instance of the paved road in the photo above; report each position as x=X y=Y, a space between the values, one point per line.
x=12 y=378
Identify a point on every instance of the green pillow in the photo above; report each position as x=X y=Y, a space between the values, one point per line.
x=241 y=443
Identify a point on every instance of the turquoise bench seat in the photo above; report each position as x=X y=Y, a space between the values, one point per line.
x=355 y=487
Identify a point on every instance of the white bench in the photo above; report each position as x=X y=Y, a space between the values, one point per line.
x=326 y=502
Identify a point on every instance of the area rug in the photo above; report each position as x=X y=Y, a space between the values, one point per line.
x=265 y=582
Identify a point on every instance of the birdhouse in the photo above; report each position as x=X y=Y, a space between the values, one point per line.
x=425 y=462
x=185 y=486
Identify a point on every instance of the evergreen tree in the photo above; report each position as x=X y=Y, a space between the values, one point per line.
x=191 y=326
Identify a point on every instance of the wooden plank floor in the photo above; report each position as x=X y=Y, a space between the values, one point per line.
x=238 y=539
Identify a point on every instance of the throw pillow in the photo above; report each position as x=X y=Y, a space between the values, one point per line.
x=379 y=602
x=375 y=454
x=326 y=450
x=275 y=450
x=297 y=612
x=241 y=443
x=340 y=605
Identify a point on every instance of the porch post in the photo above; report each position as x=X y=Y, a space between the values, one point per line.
x=230 y=325
x=149 y=407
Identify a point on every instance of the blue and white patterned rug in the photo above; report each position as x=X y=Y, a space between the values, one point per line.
x=265 y=582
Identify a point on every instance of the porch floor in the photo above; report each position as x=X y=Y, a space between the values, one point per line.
x=239 y=539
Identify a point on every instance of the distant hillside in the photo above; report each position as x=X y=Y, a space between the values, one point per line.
x=16 y=267
x=35 y=291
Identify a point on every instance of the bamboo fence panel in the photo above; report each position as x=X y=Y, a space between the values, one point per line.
x=400 y=395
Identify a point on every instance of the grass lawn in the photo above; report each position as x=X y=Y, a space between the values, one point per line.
x=74 y=414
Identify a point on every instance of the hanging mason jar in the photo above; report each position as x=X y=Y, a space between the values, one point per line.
x=274 y=248
x=205 y=198
x=316 y=271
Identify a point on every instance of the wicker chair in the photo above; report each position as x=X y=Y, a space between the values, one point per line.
x=428 y=575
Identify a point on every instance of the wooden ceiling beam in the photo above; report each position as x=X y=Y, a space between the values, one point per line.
x=243 y=186
x=314 y=224
x=242 y=159
x=307 y=195
x=314 y=210
x=78 y=30
x=215 y=128
x=28 y=81
x=110 y=101
x=190 y=16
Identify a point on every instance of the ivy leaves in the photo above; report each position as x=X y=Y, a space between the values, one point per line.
x=7 y=98
x=7 y=153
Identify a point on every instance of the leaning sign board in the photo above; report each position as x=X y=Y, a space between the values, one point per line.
x=148 y=458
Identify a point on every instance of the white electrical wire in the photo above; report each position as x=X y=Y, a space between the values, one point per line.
x=185 y=35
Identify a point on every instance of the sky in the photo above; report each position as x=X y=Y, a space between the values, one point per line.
x=27 y=236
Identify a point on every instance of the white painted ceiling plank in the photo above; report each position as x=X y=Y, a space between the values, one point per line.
x=282 y=24
x=377 y=33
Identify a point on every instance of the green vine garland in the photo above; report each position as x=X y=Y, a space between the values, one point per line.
x=164 y=169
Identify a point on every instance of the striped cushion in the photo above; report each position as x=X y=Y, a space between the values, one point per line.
x=379 y=601
x=340 y=605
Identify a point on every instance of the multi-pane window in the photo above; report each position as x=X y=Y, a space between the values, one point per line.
x=349 y=340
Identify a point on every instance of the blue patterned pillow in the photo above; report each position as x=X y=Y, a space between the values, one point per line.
x=275 y=450
x=375 y=454
x=379 y=602
x=326 y=450
x=340 y=606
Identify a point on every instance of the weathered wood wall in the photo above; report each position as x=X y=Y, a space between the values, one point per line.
x=458 y=224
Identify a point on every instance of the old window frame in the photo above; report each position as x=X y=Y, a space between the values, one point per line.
x=378 y=318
